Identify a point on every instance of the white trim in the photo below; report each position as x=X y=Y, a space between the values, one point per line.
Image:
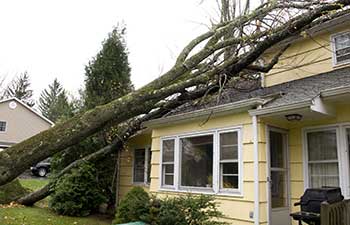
x=30 y=109
x=6 y=125
x=334 y=57
x=256 y=171
x=215 y=189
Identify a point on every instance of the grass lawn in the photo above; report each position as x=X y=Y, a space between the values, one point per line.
x=40 y=214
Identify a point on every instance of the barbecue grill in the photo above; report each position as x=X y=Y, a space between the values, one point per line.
x=310 y=203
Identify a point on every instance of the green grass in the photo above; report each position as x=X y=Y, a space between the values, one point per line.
x=43 y=216
x=40 y=214
x=33 y=184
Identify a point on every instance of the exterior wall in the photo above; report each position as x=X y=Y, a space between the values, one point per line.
x=304 y=58
x=236 y=209
x=21 y=123
x=296 y=160
x=126 y=163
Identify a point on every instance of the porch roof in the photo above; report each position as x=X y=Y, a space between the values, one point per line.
x=298 y=92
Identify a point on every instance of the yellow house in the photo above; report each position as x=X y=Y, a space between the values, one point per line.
x=257 y=152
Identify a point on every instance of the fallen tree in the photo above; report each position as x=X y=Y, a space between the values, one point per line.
x=125 y=131
x=201 y=63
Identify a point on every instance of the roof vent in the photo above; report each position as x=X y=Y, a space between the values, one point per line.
x=12 y=105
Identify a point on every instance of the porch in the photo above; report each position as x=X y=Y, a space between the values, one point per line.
x=306 y=146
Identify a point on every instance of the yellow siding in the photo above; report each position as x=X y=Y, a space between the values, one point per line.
x=126 y=161
x=236 y=209
x=304 y=58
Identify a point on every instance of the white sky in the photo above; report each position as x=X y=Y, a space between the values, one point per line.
x=57 y=38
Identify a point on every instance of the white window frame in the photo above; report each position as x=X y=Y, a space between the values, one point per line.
x=342 y=151
x=334 y=56
x=215 y=189
x=147 y=157
x=6 y=124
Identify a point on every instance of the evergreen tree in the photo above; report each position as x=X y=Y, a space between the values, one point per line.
x=53 y=102
x=108 y=74
x=20 y=88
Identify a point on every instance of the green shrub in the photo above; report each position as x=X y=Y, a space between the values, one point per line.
x=135 y=206
x=189 y=209
x=77 y=193
x=182 y=210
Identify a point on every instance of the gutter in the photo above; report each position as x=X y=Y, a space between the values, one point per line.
x=239 y=106
x=281 y=108
x=335 y=91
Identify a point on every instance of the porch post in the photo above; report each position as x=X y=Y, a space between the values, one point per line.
x=256 y=170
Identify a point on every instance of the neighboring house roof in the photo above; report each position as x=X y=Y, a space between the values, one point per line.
x=29 y=108
x=293 y=92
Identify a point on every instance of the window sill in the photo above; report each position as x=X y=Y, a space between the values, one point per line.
x=236 y=194
x=140 y=184
x=341 y=65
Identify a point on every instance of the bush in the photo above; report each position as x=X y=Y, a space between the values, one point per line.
x=135 y=206
x=189 y=209
x=182 y=210
x=77 y=193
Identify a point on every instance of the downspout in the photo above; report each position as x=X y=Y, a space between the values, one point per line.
x=256 y=170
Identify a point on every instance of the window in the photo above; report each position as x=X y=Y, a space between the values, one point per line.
x=142 y=170
x=229 y=171
x=2 y=126
x=197 y=161
x=323 y=168
x=168 y=162
x=341 y=48
x=208 y=162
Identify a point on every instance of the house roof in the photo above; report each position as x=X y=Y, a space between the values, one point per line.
x=29 y=108
x=277 y=96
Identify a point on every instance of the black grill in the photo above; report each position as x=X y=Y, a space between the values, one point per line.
x=310 y=203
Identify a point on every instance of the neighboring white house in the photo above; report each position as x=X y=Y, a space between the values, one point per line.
x=19 y=122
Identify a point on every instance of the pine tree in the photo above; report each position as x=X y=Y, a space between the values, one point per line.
x=108 y=74
x=20 y=88
x=53 y=102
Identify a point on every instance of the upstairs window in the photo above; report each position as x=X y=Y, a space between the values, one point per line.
x=2 y=126
x=341 y=48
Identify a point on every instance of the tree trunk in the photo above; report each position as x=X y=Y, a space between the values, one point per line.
x=125 y=131
x=15 y=160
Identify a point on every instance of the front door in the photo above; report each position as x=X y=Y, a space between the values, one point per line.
x=278 y=178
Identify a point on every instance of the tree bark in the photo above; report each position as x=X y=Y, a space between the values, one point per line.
x=15 y=160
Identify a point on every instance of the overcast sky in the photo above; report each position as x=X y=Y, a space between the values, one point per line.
x=57 y=38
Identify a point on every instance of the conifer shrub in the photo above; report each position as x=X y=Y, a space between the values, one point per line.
x=77 y=193
x=135 y=206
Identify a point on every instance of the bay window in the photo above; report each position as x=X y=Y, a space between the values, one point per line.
x=204 y=162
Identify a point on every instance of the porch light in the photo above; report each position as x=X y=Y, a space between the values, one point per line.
x=294 y=117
